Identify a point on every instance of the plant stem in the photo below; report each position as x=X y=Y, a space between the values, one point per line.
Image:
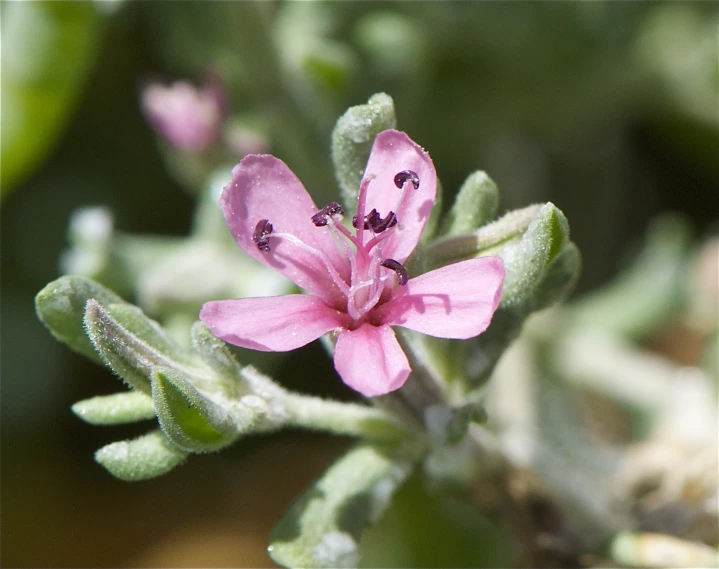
x=343 y=418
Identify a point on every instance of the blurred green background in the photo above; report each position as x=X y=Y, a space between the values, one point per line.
x=607 y=109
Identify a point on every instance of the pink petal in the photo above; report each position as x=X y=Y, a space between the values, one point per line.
x=456 y=301
x=395 y=152
x=370 y=360
x=263 y=187
x=275 y=323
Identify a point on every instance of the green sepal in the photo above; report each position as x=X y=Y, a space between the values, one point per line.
x=323 y=527
x=129 y=356
x=476 y=204
x=352 y=140
x=145 y=457
x=60 y=307
x=116 y=409
x=190 y=418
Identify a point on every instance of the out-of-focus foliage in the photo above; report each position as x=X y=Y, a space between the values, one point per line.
x=48 y=49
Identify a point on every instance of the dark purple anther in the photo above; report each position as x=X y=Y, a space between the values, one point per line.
x=374 y=222
x=401 y=177
x=320 y=219
x=386 y=223
x=370 y=220
x=262 y=230
x=402 y=276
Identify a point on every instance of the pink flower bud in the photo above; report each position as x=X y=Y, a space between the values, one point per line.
x=188 y=117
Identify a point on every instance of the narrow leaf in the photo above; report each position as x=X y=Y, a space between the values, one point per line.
x=541 y=269
x=475 y=205
x=126 y=354
x=115 y=409
x=559 y=279
x=487 y=240
x=323 y=527
x=148 y=456
x=192 y=420
x=132 y=318
x=213 y=351
x=61 y=307
x=527 y=260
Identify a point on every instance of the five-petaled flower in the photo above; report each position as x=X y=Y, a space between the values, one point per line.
x=357 y=284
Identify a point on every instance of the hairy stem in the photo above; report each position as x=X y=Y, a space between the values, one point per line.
x=343 y=418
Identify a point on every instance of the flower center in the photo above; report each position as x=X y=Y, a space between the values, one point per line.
x=370 y=271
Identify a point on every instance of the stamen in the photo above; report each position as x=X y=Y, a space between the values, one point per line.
x=377 y=240
x=402 y=276
x=331 y=210
x=386 y=223
x=374 y=222
x=262 y=230
x=369 y=220
x=377 y=290
x=320 y=255
x=361 y=204
x=401 y=178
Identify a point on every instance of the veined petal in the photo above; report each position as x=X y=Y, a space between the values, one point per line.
x=456 y=301
x=263 y=187
x=370 y=360
x=271 y=324
x=395 y=152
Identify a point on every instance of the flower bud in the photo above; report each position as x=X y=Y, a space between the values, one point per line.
x=190 y=118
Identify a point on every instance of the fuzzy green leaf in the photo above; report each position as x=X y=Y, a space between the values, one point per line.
x=145 y=457
x=150 y=332
x=61 y=307
x=323 y=527
x=542 y=267
x=526 y=261
x=129 y=356
x=48 y=49
x=475 y=205
x=213 y=351
x=191 y=419
x=352 y=140
x=488 y=240
x=559 y=279
x=115 y=409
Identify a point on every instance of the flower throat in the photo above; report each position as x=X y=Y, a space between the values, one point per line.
x=367 y=278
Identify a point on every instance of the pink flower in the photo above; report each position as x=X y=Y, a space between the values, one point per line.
x=188 y=117
x=358 y=286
